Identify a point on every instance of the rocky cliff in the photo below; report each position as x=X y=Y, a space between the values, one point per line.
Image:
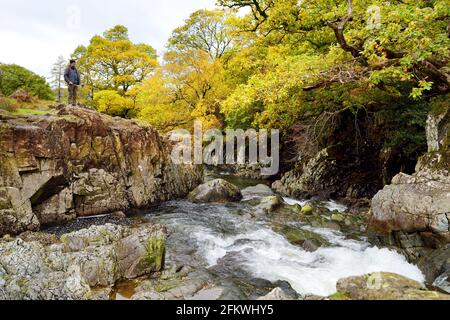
x=413 y=213
x=351 y=161
x=419 y=204
x=78 y=163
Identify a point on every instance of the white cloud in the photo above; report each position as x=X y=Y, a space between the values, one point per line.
x=34 y=33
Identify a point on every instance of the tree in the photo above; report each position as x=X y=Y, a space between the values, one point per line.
x=205 y=30
x=156 y=104
x=14 y=77
x=57 y=74
x=395 y=41
x=113 y=62
x=110 y=102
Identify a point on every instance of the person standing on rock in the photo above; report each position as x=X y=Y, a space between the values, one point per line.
x=73 y=80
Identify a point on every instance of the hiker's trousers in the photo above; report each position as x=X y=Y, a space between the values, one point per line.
x=73 y=89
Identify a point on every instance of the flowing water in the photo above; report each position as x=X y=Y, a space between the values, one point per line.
x=222 y=239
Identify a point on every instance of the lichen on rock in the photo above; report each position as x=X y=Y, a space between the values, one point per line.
x=80 y=262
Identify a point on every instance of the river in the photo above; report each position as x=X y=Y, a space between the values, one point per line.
x=237 y=251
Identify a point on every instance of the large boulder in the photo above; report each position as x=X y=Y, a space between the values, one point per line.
x=413 y=212
x=216 y=191
x=385 y=286
x=413 y=204
x=70 y=269
x=78 y=162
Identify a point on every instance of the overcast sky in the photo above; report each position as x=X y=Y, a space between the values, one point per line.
x=34 y=33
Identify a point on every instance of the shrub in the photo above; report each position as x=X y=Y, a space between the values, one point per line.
x=8 y=104
x=22 y=96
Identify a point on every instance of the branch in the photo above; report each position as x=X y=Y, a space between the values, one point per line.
x=339 y=28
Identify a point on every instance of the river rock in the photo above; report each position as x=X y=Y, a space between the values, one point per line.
x=436 y=267
x=443 y=282
x=96 y=257
x=308 y=240
x=260 y=190
x=180 y=286
x=307 y=210
x=78 y=162
x=268 y=205
x=278 y=294
x=216 y=191
x=386 y=286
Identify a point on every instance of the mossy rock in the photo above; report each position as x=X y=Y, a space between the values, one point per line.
x=338 y=217
x=299 y=237
x=339 y=296
x=297 y=208
x=155 y=254
x=307 y=210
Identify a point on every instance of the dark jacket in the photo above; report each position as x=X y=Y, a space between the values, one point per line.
x=72 y=75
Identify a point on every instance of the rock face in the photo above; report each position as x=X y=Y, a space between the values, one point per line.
x=81 y=261
x=352 y=162
x=80 y=163
x=385 y=286
x=216 y=191
x=414 y=212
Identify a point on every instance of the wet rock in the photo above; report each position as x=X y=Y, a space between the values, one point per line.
x=307 y=210
x=386 y=286
x=119 y=215
x=443 y=282
x=278 y=294
x=260 y=190
x=308 y=240
x=216 y=191
x=338 y=217
x=79 y=163
x=435 y=264
x=96 y=257
x=180 y=286
x=268 y=205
